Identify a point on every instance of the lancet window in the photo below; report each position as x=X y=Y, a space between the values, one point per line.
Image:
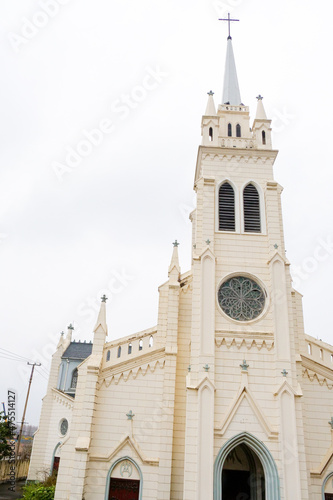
x=226 y=207
x=251 y=203
x=74 y=379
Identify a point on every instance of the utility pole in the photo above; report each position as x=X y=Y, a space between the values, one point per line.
x=26 y=403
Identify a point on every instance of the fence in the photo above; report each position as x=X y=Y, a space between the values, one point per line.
x=21 y=470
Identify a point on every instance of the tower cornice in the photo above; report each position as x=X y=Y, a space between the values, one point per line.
x=230 y=153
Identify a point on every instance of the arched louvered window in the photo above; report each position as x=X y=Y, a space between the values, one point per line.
x=108 y=354
x=226 y=207
x=151 y=341
x=251 y=203
x=263 y=135
x=238 y=130
x=229 y=130
x=210 y=133
x=74 y=379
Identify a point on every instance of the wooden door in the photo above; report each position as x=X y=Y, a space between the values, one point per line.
x=124 y=489
x=328 y=496
x=56 y=462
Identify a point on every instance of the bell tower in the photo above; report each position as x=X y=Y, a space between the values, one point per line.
x=242 y=296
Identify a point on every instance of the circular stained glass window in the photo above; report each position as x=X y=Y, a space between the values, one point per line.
x=63 y=426
x=241 y=298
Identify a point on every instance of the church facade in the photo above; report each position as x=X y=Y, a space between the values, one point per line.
x=227 y=397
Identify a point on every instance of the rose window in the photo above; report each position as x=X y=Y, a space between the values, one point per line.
x=241 y=298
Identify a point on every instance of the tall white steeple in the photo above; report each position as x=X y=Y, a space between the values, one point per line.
x=231 y=92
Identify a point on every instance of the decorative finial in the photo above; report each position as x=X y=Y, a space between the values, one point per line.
x=229 y=21
x=208 y=241
x=70 y=327
x=130 y=415
x=259 y=97
x=276 y=246
x=331 y=423
x=244 y=366
x=284 y=372
x=175 y=243
x=62 y=334
x=104 y=298
x=206 y=367
x=210 y=93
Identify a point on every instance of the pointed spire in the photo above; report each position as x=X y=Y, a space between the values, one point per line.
x=61 y=339
x=174 y=268
x=231 y=93
x=210 y=109
x=70 y=329
x=101 y=320
x=261 y=113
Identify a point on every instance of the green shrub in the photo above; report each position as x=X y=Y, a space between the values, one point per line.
x=38 y=492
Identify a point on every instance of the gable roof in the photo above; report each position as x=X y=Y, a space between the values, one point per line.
x=78 y=350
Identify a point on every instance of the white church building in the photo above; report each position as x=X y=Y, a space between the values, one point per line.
x=226 y=397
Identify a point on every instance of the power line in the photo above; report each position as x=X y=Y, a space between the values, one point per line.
x=45 y=370
x=42 y=375
x=9 y=353
x=13 y=359
x=6 y=351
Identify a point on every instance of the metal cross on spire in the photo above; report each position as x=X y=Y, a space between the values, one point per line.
x=229 y=21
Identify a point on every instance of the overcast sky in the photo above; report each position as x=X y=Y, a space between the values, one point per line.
x=73 y=226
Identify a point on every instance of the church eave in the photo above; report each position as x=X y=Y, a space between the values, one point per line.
x=128 y=338
x=319 y=343
x=63 y=395
x=317 y=367
x=130 y=364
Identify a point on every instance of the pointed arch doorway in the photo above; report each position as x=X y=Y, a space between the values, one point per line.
x=124 y=489
x=243 y=475
x=245 y=469
x=124 y=480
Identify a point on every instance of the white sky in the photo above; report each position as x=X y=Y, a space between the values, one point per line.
x=62 y=242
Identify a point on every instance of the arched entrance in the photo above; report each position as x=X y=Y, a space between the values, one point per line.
x=124 y=480
x=327 y=488
x=243 y=475
x=55 y=461
x=245 y=469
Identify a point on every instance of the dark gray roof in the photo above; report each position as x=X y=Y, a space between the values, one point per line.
x=78 y=350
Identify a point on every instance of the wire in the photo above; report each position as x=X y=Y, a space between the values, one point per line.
x=42 y=375
x=47 y=372
x=5 y=351
x=18 y=356
x=11 y=356
x=13 y=359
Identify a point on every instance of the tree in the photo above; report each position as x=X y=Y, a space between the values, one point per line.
x=6 y=434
